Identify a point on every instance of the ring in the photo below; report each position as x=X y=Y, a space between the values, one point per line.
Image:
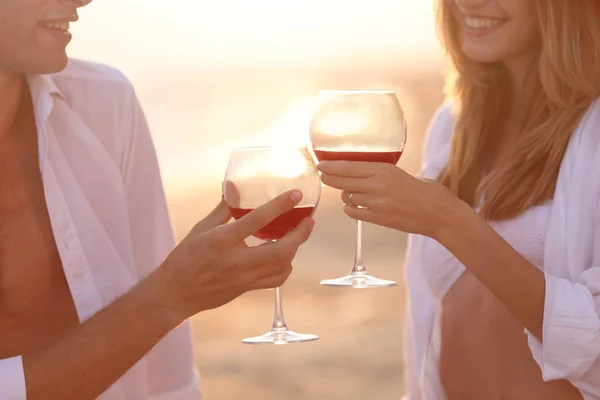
x=350 y=200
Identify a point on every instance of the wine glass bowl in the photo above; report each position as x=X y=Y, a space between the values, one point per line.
x=256 y=175
x=358 y=125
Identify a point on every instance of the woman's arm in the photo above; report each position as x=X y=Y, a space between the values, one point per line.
x=561 y=316
x=517 y=283
x=561 y=312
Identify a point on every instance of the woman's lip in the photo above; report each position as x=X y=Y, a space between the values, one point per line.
x=467 y=22
x=481 y=16
x=480 y=32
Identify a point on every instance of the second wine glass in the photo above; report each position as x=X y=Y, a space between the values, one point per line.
x=257 y=175
x=358 y=125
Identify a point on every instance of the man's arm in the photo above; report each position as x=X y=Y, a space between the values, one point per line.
x=208 y=269
x=205 y=271
x=89 y=359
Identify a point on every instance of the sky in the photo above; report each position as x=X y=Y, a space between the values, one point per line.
x=219 y=33
x=157 y=42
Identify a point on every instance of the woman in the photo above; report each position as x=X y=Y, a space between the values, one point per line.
x=503 y=269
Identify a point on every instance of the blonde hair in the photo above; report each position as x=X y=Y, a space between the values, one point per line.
x=565 y=81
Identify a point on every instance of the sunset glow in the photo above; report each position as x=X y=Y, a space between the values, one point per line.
x=216 y=33
x=178 y=53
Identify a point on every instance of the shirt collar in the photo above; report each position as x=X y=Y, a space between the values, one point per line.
x=43 y=89
x=42 y=85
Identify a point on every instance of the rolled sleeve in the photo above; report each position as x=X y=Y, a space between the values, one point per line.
x=570 y=347
x=188 y=392
x=12 y=379
x=170 y=364
x=171 y=367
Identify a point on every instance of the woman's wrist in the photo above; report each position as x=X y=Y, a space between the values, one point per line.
x=455 y=219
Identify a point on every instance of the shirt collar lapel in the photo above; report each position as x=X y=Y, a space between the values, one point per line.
x=43 y=89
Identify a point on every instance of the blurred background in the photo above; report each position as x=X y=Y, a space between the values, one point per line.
x=212 y=75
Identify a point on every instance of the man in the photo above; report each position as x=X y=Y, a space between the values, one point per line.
x=84 y=310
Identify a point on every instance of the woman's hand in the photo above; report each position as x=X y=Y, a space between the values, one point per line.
x=386 y=195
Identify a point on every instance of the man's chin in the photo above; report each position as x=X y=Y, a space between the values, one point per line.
x=48 y=65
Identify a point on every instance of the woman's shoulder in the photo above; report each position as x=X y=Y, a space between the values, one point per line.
x=587 y=134
x=592 y=115
x=438 y=135
x=440 y=127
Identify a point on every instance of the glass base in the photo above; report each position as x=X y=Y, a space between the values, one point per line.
x=358 y=281
x=281 y=336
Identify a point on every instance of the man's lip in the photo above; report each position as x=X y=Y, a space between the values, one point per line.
x=68 y=18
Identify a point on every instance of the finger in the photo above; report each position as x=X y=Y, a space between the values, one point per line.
x=261 y=216
x=231 y=194
x=298 y=236
x=283 y=249
x=273 y=281
x=362 y=214
x=349 y=184
x=361 y=200
x=262 y=269
x=350 y=169
x=218 y=216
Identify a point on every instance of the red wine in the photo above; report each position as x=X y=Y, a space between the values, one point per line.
x=280 y=225
x=390 y=157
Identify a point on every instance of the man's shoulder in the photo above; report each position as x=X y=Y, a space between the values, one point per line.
x=103 y=99
x=91 y=72
x=84 y=77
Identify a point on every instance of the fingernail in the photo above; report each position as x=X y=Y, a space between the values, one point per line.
x=296 y=195
x=311 y=223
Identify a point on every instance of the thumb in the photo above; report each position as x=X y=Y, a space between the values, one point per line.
x=218 y=216
x=298 y=236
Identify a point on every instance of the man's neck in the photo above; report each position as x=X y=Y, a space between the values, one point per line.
x=11 y=95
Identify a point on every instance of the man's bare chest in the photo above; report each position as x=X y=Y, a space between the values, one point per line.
x=35 y=300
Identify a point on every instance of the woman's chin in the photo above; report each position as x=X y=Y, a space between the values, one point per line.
x=482 y=53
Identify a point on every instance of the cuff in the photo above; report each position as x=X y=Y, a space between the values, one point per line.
x=571 y=331
x=12 y=379
x=190 y=392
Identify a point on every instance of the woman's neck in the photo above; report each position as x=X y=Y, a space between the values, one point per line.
x=519 y=70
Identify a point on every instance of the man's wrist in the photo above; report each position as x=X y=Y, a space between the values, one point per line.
x=153 y=293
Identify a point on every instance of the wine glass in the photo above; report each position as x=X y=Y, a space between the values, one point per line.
x=257 y=175
x=358 y=125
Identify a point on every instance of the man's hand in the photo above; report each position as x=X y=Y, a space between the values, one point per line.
x=209 y=268
x=219 y=216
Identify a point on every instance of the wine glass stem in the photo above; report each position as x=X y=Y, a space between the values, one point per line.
x=359 y=266
x=278 y=319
